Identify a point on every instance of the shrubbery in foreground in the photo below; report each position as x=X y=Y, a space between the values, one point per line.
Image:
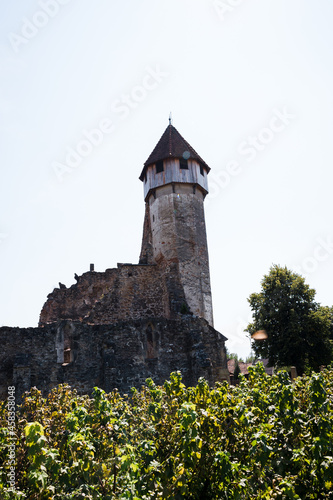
x=266 y=438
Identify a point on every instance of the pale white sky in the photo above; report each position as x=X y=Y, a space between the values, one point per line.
x=250 y=88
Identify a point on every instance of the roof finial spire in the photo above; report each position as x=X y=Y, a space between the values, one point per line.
x=170 y=118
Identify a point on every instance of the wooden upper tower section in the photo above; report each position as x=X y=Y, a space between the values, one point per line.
x=174 y=161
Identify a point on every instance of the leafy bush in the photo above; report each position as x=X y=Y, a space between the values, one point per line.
x=267 y=438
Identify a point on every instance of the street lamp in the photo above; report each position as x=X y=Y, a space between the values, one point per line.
x=259 y=335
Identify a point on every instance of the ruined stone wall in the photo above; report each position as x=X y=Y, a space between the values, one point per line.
x=27 y=356
x=119 y=356
x=76 y=302
x=138 y=292
x=128 y=292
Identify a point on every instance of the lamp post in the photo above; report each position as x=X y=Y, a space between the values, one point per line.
x=259 y=335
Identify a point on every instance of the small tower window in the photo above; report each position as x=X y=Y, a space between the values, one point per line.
x=201 y=170
x=159 y=166
x=183 y=164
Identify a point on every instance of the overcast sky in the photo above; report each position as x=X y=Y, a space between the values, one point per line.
x=86 y=89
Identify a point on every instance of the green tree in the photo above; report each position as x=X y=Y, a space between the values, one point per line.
x=298 y=328
x=234 y=355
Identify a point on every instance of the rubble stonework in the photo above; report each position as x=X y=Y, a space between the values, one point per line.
x=119 y=355
x=125 y=293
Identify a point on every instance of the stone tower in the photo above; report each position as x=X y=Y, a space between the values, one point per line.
x=175 y=185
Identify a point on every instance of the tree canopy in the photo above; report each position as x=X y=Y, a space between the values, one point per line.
x=298 y=328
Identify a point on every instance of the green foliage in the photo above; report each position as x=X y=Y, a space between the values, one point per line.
x=233 y=355
x=237 y=371
x=184 y=308
x=267 y=438
x=298 y=328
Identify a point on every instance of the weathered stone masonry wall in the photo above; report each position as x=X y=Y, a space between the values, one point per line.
x=127 y=292
x=119 y=356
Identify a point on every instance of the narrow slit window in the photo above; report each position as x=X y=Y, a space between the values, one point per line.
x=159 y=167
x=201 y=170
x=151 y=344
x=183 y=164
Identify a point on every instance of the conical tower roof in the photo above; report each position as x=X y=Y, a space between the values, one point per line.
x=172 y=145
